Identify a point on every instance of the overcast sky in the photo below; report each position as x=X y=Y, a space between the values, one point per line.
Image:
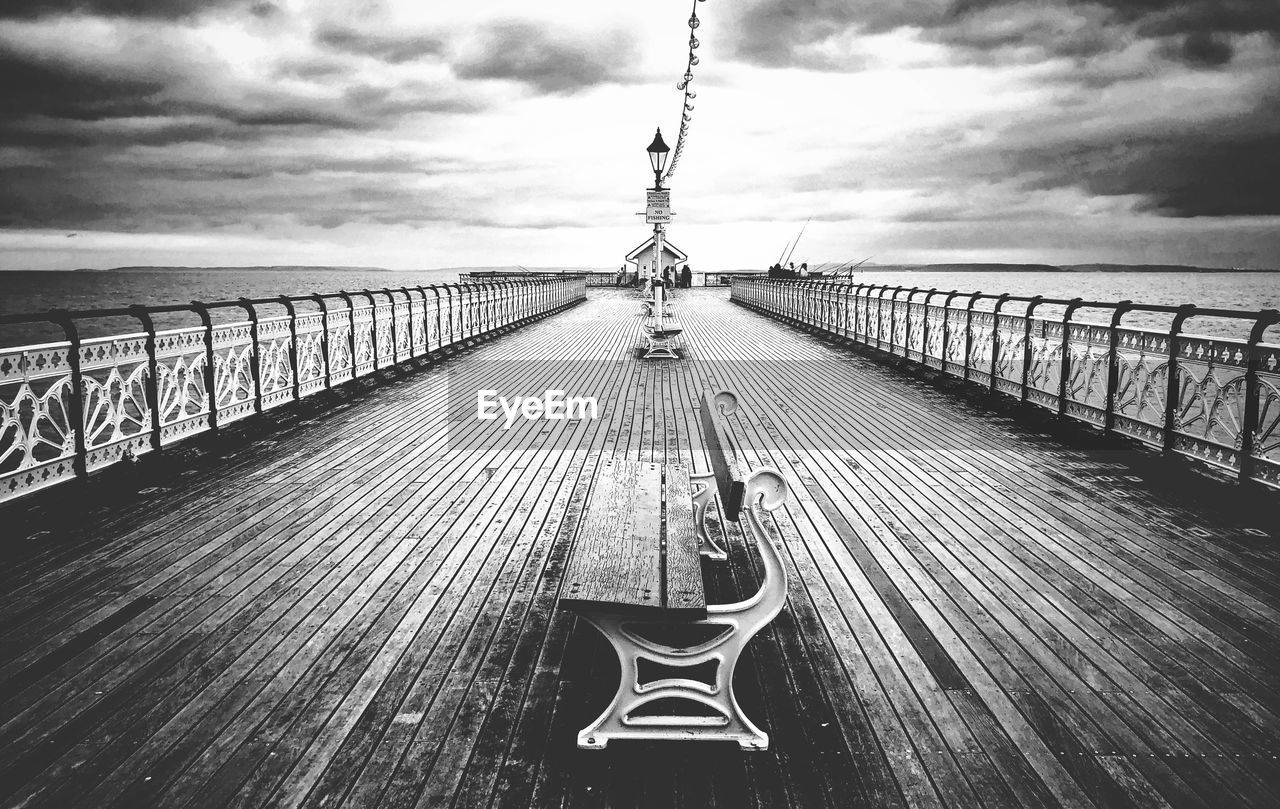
x=417 y=133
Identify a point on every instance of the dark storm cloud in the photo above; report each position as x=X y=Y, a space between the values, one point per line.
x=531 y=55
x=156 y=9
x=788 y=33
x=393 y=48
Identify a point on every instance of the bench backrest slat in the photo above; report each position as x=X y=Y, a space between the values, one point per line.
x=726 y=462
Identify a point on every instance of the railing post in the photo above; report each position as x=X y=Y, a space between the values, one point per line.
x=287 y=302
x=1026 y=343
x=351 y=335
x=75 y=408
x=1064 y=367
x=210 y=368
x=1171 y=393
x=153 y=371
x=255 y=366
x=1113 y=365
x=324 y=338
x=1249 y=427
x=968 y=332
x=995 y=337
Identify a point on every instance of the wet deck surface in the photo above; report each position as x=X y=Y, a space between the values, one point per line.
x=360 y=610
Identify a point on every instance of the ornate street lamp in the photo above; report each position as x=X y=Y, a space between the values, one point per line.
x=658 y=158
x=658 y=151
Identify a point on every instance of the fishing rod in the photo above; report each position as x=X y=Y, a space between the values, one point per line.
x=797 y=242
x=784 y=252
x=854 y=267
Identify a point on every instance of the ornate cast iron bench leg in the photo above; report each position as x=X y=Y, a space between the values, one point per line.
x=660 y=347
x=705 y=484
x=721 y=717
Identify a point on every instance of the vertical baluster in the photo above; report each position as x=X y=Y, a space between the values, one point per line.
x=395 y=338
x=1113 y=365
x=153 y=371
x=1249 y=427
x=1171 y=392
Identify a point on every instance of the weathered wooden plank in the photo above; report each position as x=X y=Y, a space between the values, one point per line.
x=682 y=578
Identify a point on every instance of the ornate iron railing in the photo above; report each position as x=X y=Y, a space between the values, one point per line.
x=70 y=407
x=1216 y=399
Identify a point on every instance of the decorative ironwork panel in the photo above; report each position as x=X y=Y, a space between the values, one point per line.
x=233 y=371
x=914 y=336
x=275 y=375
x=1010 y=338
x=37 y=437
x=364 y=358
x=1142 y=367
x=1044 y=374
x=981 y=334
x=181 y=391
x=404 y=330
x=934 y=319
x=417 y=335
x=117 y=418
x=383 y=349
x=1088 y=364
x=338 y=324
x=310 y=353
x=1209 y=414
x=956 y=325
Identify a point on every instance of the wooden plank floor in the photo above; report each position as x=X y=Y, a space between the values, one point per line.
x=360 y=609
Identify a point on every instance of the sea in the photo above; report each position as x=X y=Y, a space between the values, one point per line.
x=22 y=291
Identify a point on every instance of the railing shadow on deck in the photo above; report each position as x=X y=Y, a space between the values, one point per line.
x=1213 y=399
x=72 y=407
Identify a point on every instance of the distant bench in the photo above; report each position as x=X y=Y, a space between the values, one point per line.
x=635 y=574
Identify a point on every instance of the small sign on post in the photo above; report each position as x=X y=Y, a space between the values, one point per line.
x=657 y=209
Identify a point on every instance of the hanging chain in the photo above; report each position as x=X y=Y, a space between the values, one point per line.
x=686 y=113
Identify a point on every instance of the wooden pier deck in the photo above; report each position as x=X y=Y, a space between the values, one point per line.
x=359 y=610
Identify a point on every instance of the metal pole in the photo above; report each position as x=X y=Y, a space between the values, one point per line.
x=324 y=337
x=255 y=366
x=1026 y=343
x=210 y=371
x=995 y=337
x=293 y=345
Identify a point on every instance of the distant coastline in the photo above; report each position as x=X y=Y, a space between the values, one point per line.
x=962 y=267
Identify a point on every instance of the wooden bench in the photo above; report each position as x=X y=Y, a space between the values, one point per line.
x=661 y=337
x=634 y=574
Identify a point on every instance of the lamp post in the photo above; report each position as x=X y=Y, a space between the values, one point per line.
x=658 y=161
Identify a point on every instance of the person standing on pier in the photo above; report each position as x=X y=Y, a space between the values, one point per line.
x=686 y=277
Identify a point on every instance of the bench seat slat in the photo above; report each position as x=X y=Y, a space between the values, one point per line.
x=617 y=561
x=684 y=589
